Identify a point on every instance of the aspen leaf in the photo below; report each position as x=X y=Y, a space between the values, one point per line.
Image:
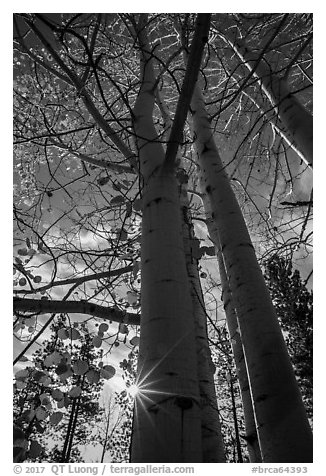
x=28 y=415
x=35 y=449
x=46 y=381
x=103 y=181
x=63 y=377
x=57 y=395
x=63 y=333
x=66 y=357
x=56 y=357
x=55 y=418
x=52 y=359
x=118 y=200
x=44 y=398
x=61 y=369
x=22 y=282
x=137 y=205
x=41 y=413
x=21 y=374
x=73 y=334
x=103 y=327
x=30 y=321
x=132 y=297
x=116 y=186
x=18 y=326
x=80 y=367
x=210 y=250
x=123 y=328
x=61 y=403
x=97 y=341
x=75 y=392
x=93 y=376
x=134 y=341
x=20 y=384
x=107 y=371
x=38 y=375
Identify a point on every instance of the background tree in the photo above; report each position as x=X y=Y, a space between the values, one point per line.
x=293 y=303
x=56 y=400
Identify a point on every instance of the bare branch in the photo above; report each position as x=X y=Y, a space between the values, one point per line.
x=44 y=306
x=80 y=280
x=194 y=61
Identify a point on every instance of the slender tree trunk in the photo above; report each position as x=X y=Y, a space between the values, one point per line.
x=283 y=429
x=106 y=438
x=251 y=436
x=240 y=364
x=64 y=457
x=212 y=441
x=73 y=429
x=167 y=423
x=235 y=419
x=296 y=121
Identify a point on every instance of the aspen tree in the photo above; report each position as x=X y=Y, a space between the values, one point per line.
x=283 y=429
x=167 y=424
x=251 y=436
x=235 y=340
x=212 y=441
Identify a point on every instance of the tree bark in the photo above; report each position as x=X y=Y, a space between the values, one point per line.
x=251 y=436
x=45 y=306
x=167 y=424
x=212 y=441
x=283 y=428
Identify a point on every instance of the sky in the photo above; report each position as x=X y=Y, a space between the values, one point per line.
x=318 y=176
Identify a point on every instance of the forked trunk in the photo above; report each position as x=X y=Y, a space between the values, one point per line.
x=167 y=420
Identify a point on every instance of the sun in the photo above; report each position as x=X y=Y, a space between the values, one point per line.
x=133 y=390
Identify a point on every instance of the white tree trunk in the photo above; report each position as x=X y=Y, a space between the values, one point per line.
x=212 y=441
x=240 y=364
x=283 y=429
x=237 y=349
x=167 y=419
